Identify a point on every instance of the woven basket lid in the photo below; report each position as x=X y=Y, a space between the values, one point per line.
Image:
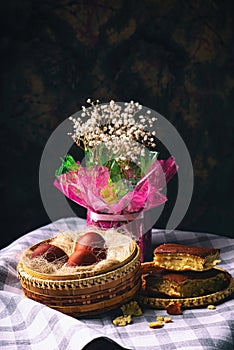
x=83 y=271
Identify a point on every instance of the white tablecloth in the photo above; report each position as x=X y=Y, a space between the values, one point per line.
x=25 y=324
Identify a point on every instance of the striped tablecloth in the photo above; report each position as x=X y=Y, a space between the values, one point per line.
x=25 y=324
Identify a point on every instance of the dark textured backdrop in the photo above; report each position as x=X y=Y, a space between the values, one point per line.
x=174 y=57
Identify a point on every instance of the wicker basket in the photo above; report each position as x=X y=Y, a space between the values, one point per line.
x=81 y=295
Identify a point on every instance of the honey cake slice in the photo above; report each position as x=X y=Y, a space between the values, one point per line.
x=185 y=284
x=178 y=257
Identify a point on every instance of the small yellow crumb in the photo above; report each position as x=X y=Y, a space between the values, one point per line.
x=132 y=309
x=122 y=320
x=157 y=324
x=159 y=318
x=167 y=319
x=211 y=307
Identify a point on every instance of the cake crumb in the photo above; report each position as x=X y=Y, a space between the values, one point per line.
x=122 y=320
x=132 y=308
x=211 y=307
x=154 y=325
x=174 y=308
x=159 y=318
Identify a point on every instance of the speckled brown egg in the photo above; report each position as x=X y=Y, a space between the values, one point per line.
x=50 y=252
x=93 y=242
x=81 y=258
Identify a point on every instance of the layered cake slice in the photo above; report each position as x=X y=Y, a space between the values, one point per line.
x=177 y=257
x=185 y=284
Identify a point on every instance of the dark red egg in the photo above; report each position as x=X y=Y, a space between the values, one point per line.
x=50 y=252
x=93 y=242
x=100 y=253
x=91 y=239
x=40 y=250
x=81 y=258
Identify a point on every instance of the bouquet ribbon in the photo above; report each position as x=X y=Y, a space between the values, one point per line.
x=113 y=217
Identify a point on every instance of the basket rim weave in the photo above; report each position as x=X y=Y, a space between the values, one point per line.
x=78 y=274
x=88 y=292
x=76 y=282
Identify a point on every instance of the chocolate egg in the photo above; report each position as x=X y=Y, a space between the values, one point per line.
x=81 y=258
x=94 y=242
x=50 y=252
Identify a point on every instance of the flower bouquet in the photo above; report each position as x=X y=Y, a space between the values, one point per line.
x=120 y=177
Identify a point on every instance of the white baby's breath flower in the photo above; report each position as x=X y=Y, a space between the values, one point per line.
x=116 y=126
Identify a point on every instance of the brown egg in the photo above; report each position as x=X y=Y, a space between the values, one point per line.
x=40 y=250
x=174 y=309
x=94 y=242
x=81 y=258
x=91 y=239
x=100 y=253
x=50 y=252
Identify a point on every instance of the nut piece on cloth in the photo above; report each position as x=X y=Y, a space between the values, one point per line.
x=132 y=308
x=174 y=309
x=167 y=319
x=122 y=320
x=156 y=324
x=179 y=257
